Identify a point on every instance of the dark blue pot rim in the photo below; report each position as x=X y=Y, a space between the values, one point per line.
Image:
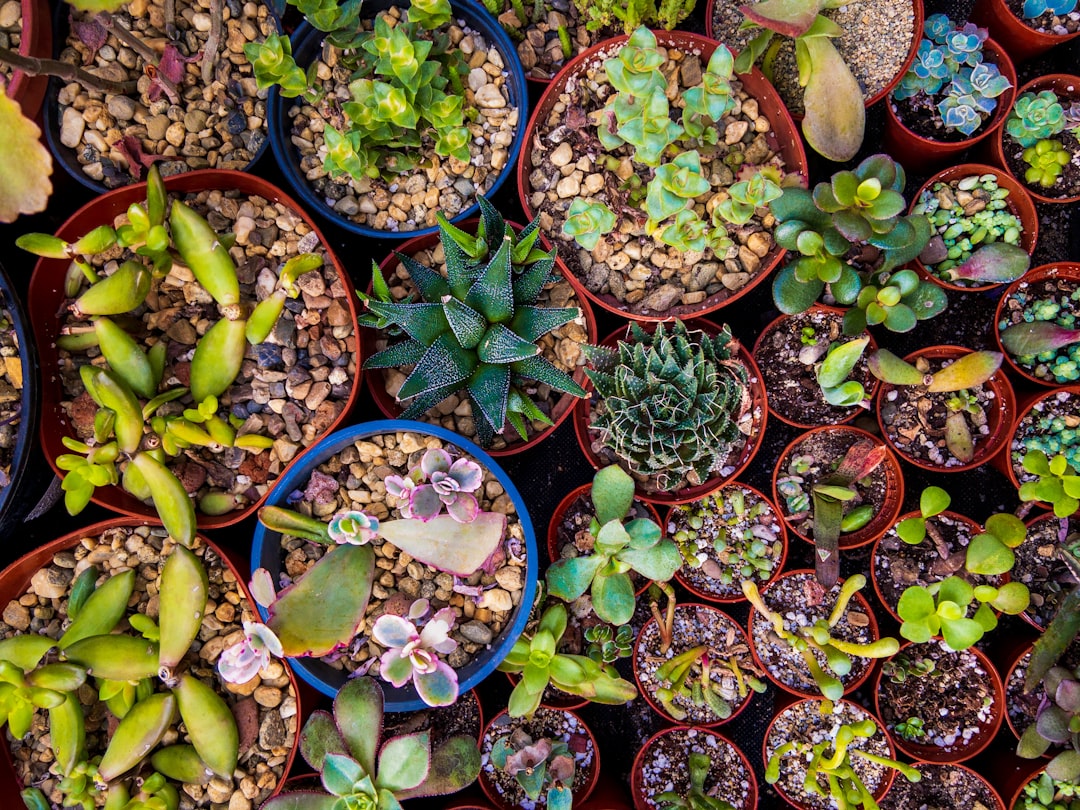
x=265 y=547
x=285 y=153
x=51 y=108
x=29 y=397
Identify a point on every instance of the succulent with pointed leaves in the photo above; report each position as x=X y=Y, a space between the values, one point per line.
x=414 y=655
x=832 y=374
x=688 y=675
x=942 y=608
x=696 y=797
x=1035 y=117
x=539 y=766
x=1057 y=723
x=1058 y=484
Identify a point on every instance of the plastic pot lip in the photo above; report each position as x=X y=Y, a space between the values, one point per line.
x=871 y=347
x=1014 y=662
x=931 y=754
x=756 y=386
x=787 y=140
x=1065 y=270
x=36 y=40
x=389 y=407
x=46 y=288
x=777 y=569
x=885 y=519
x=1030 y=524
x=264 y=549
x=21 y=570
x=1004 y=407
x=1025 y=42
x=859 y=598
x=637 y=788
x=277 y=115
x=1019 y=203
x=1072 y=389
x=497 y=800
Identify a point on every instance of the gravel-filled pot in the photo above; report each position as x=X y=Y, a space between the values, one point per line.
x=406 y=206
x=1047 y=293
x=34 y=39
x=952 y=785
x=265 y=708
x=346 y=472
x=1048 y=422
x=663 y=766
x=1041 y=570
x=293 y=388
x=1024 y=39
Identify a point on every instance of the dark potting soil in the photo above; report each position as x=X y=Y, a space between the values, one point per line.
x=1023 y=707
x=941 y=786
x=461 y=717
x=1048 y=22
x=11 y=386
x=1067 y=183
x=664 y=767
x=1036 y=566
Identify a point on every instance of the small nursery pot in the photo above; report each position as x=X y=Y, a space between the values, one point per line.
x=1022 y=773
x=758 y=407
x=1019 y=203
x=967 y=748
x=1056 y=570
x=36 y=40
x=915 y=151
x=893 y=496
x=1009 y=462
x=266 y=553
x=1002 y=409
x=1021 y=41
x=724 y=753
x=1021 y=650
x=895 y=801
x=1067 y=88
x=502 y=724
x=1064 y=271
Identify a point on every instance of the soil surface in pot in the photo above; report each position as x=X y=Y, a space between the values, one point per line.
x=416 y=195
x=193 y=121
x=875 y=43
x=11 y=387
x=1024 y=708
x=549 y=723
x=940 y=786
x=1051 y=425
x=290 y=388
x=954 y=701
x=804 y=723
x=1056 y=300
x=444 y=722
x=1048 y=579
x=664 y=767
x=1067 y=183
x=731 y=535
x=725 y=644
x=789 y=359
x=801 y=601
x=353 y=480
x=11 y=22
x=265 y=707
x=1048 y=22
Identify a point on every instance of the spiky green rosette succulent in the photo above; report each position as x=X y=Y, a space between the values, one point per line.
x=673 y=402
x=475 y=330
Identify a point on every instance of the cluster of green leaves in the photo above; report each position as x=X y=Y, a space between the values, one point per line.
x=942 y=608
x=1058 y=484
x=629 y=15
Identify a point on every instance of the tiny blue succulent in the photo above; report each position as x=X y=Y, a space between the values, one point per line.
x=987 y=83
x=1035 y=118
x=965 y=45
x=959 y=110
x=1036 y=8
x=937 y=27
x=928 y=72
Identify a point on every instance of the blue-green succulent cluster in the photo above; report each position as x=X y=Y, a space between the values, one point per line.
x=1051 y=434
x=1036 y=117
x=1036 y=8
x=1060 y=362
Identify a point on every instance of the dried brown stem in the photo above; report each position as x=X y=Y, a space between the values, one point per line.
x=170 y=19
x=213 y=42
x=939 y=541
x=33 y=66
x=149 y=55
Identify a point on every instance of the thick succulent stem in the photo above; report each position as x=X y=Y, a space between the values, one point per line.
x=33 y=66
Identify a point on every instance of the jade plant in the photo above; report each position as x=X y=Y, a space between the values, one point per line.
x=1057 y=723
x=361 y=771
x=474 y=331
x=637 y=545
x=696 y=797
x=675 y=402
x=134 y=434
x=539 y=663
x=832 y=375
x=539 y=766
x=1057 y=484
x=942 y=609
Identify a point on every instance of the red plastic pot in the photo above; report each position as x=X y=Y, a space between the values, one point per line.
x=970 y=748
x=46 y=299
x=36 y=41
x=999 y=419
x=1018 y=201
x=915 y=151
x=1067 y=88
x=390 y=407
x=1019 y=775
x=858 y=600
x=637 y=780
x=1062 y=270
x=894 y=489
x=1005 y=462
x=1021 y=41
x=783 y=139
x=15 y=580
x=583 y=410
x=998 y=802
x=1030 y=523
x=709 y=596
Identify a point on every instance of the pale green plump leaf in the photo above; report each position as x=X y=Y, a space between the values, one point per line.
x=612 y=536
x=658 y=563
x=889 y=368
x=915 y=604
x=986 y=617
x=912 y=530
x=933 y=501
x=835 y=114
x=1007 y=528
x=846 y=395
x=916 y=631
x=612 y=493
x=961 y=633
x=613 y=598
x=987 y=555
x=24 y=179
x=403 y=761
x=569 y=578
x=1013 y=598
x=840 y=361
x=968 y=371
x=957 y=590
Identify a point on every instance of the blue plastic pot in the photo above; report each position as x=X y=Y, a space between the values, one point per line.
x=266 y=553
x=307 y=43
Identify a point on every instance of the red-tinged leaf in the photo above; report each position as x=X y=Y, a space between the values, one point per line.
x=131 y=148
x=172 y=63
x=24 y=177
x=91 y=33
x=967 y=372
x=1026 y=339
x=861 y=459
x=995 y=263
x=788 y=17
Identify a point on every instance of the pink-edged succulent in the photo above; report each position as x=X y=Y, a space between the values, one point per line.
x=414 y=654
x=242 y=661
x=537 y=765
x=353 y=527
x=437 y=482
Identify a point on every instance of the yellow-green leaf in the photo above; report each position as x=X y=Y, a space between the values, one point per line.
x=24 y=177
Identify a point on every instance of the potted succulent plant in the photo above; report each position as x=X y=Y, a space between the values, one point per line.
x=951 y=785
x=1055 y=720
x=1043 y=792
x=1031 y=27
x=1041 y=564
x=685 y=767
x=1022 y=704
x=29 y=36
x=1043 y=431
x=1035 y=325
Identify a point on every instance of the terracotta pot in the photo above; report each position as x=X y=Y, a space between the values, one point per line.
x=1067 y=88
x=915 y=151
x=794 y=801
x=637 y=779
x=580 y=795
x=583 y=410
x=969 y=748
x=999 y=419
x=894 y=490
x=721 y=617
x=1058 y=270
x=1021 y=650
x=871 y=347
x=711 y=596
x=784 y=139
x=15 y=579
x=46 y=299
x=998 y=802
x=1022 y=772
x=390 y=407
x=858 y=600
x=36 y=41
x=1020 y=41
x=1019 y=203
x=1006 y=462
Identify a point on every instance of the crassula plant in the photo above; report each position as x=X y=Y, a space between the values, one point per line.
x=1057 y=724
x=942 y=609
x=361 y=771
x=539 y=766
